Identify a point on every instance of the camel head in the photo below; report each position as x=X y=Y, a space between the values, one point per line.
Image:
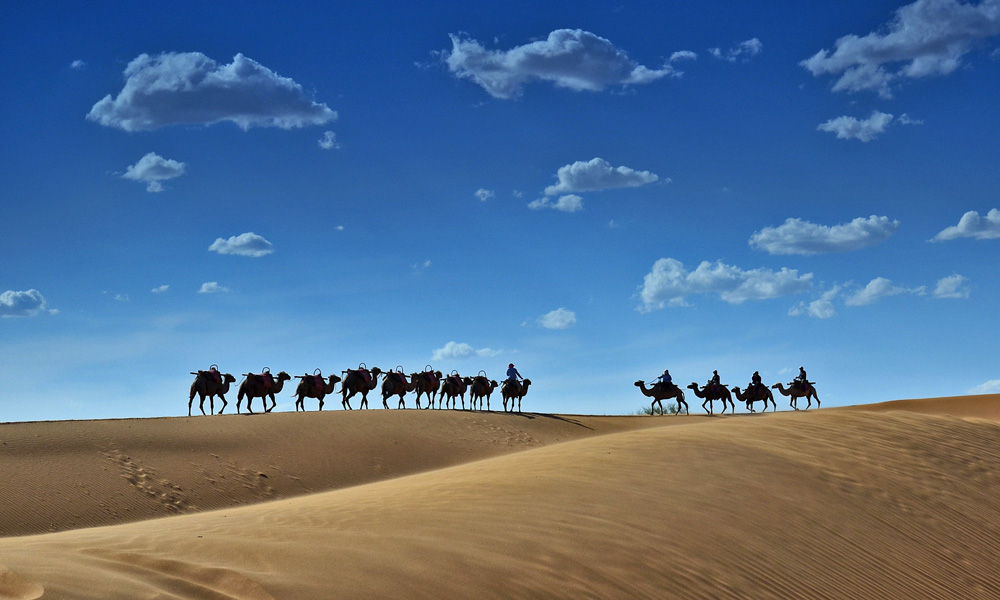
x=638 y=383
x=282 y=376
x=376 y=371
x=693 y=386
x=333 y=379
x=228 y=378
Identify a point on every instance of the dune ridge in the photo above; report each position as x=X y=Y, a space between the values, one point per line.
x=880 y=503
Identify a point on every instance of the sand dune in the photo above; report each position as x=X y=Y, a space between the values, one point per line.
x=883 y=502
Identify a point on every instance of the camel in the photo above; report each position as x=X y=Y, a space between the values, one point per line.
x=453 y=386
x=308 y=388
x=395 y=384
x=428 y=383
x=481 y=388
x=795 y=391
x=660 y=392
x=206 y=385
x=514 y=390
x=749 y=397
x=359 y=381
x=722 y=393
x=258 y=386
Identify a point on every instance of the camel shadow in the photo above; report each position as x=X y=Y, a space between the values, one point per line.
x=554 y=417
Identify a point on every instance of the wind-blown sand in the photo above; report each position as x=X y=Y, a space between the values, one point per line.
x=898 y=500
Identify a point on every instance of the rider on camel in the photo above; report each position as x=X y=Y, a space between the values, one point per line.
x=664 y=380
x=714 y=382
x=512 y=374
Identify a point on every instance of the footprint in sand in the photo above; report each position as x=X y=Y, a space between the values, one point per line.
x=15 y=587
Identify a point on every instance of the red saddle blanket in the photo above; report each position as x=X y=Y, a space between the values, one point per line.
x=318 y=381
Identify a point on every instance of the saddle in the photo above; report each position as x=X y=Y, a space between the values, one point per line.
x=318 y=381
x=264 y=379
x=399 y=376
x=431 y=377
x=215 y=375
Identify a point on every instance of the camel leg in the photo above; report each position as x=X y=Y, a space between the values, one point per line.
x=488 y=404
x=273 y=403
x=346 y=402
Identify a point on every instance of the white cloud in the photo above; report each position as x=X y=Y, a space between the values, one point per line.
x=742 y=51
x=21 y=304
x=953 y=286
x=329 y=141
x=152 y=169
x=190 y=88
x=683 y=55
x=245 y=244
x=821 y=308
x=905 y=119
x=484 y=194
x=597 y=174
x=924 y=39
x=567 y=203
x=77 y=64
x=559 y=318
x=212 y=287
x=569 y=58
x=990 y=387
x=669 y=283
x=122 y=298
x=456 y=350
x=877 y=288
x=160 y=289
x=796 y=236
x=971 y=225
x=848 y=128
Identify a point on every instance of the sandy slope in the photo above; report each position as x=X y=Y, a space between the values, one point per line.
x=840 y=503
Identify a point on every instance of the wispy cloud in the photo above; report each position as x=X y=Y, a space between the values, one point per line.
x=568 y=203
x=669 y=283
x=878 y=288
x=190 y=88
x=457 y=350
x=595 y=175
x=152 y=169
x=245 y=244
x=212 y=287
x=990 y=387
x=850 y=128
x=484 y=194
x=21 y=304
x=742 y=51
x=954 y=286
x=329 y=141
x=971 y=225
x=926 y=38
x=160 y=289
x=559 y=318
x=820 y=308
x=568 y=58
x=77 y=65
x=796 y=236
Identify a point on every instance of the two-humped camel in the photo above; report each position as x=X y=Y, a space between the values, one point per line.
x=261 y=386
x=796 y=391
x=206 y=384
x=661 y=392
x=313 y=386
x=514 y=390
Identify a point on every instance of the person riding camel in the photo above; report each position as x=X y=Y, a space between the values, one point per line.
x=714 y=382
x=801 y=380
x=664 y=381
x=512 y=374
x=756 y=385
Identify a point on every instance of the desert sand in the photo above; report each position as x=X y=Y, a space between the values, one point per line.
x=894 y=500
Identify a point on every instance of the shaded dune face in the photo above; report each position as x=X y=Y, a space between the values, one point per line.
x=835 y=503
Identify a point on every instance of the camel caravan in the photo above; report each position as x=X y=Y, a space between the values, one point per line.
x=666 y=389
x=427 y=384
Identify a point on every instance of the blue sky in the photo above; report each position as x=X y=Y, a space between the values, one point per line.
x=593 y=191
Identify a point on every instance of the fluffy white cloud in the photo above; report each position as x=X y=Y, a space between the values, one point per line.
x=245 y=244
x=742 y=51
x=569 y=58
x=953 y=286
x=77 y=64
x=877 y=288
x=567 y=203
x=821 y=308
x=190 y=88
x=484 y=194
x=683 y=55
x=924 y=39
x=971 y=225
x=152 y=169
x=990 y=387
x=457 y=350
x=559 y=318
x=669 y=283
x=850 y=128
x=796 y=236
x=597 y=174
x=21 y=304
x=160 y=289
x=212 y=287
x=329 y=141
